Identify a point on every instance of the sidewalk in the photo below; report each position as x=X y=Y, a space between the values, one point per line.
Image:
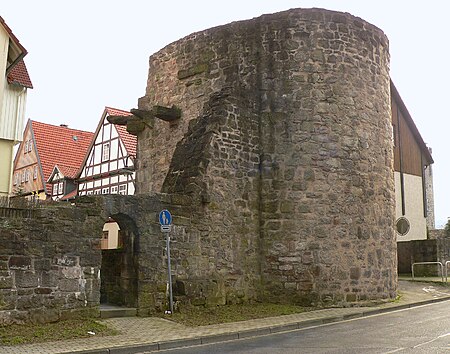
x=152 y=334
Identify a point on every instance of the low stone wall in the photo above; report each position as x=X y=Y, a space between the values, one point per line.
x=416 y=251
x=49 y=265
x=435 y=249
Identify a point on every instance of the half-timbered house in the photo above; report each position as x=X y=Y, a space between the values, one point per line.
x=48 y=151
x=108 y=167
x=62 y=179
x=412 y=160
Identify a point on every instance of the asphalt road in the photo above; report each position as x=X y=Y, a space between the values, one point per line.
x=424 y=329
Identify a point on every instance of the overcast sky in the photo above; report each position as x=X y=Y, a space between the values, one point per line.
x=85 y=55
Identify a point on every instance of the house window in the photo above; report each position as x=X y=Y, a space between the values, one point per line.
x=35 y=172
x=114 y=189
x=60 y=187
x=30 y=145
x=23 y=176
x=123 y=189
x=27 y=175
x=97 y=191
x=105 y=190
x=89 y=193
x=16 y=178
x=105 y=154
x=55 y=189
x=25 y=149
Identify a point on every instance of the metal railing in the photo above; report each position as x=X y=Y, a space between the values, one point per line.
x=438 y=263
x=16 y=213
x=446 y=270
x=19 y=207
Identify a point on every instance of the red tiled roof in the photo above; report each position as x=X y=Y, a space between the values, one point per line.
x=19 y=75
x=60 y=146
x=13 y=37
x=117 y=112
x=68 y=171
x=70 y=195
x=130 y=141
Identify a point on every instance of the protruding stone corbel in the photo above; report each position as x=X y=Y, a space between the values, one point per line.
x=168 y=114
x=142 y=114
x=119 y=120
x=141 y=118
x=134 y=123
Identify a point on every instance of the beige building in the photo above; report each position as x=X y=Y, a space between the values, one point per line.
x=412 y=164
x=111 y=237
x=14 y=82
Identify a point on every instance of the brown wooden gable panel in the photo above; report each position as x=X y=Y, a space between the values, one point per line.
x=408 y=155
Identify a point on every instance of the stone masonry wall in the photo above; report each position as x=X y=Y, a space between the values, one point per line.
x=219 y=156
x=434 y=249
x=327 y=187
x=285 y=145
x=49 y=265
x=279 y=176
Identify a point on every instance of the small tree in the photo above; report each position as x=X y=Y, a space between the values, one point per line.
x=447 y=229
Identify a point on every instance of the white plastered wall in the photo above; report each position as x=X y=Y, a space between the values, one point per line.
x=414 y=209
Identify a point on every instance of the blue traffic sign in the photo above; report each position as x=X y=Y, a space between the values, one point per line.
x=165 y=218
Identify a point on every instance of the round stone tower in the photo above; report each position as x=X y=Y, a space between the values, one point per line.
x=285 y=141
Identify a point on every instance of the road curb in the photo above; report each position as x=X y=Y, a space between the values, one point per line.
x=217 y=338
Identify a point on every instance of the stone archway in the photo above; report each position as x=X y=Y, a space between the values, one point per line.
x=119 y=265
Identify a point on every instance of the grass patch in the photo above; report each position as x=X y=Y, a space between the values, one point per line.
x=37 y=333
x=202 y=316
x=397 y=298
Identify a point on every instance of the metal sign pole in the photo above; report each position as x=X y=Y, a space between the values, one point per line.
x=165 y=220
x=169 y=271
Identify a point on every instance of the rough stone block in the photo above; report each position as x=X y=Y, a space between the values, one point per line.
x=355 y=273
x=25 y=279
x=20 y=262
x=43 y=291
x=4 y=265
x=8 y=299
x=69 y=285
x=6 y=282
x=44 y=315
x=42 y=264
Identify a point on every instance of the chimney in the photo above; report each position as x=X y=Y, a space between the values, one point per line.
x=64 y=126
